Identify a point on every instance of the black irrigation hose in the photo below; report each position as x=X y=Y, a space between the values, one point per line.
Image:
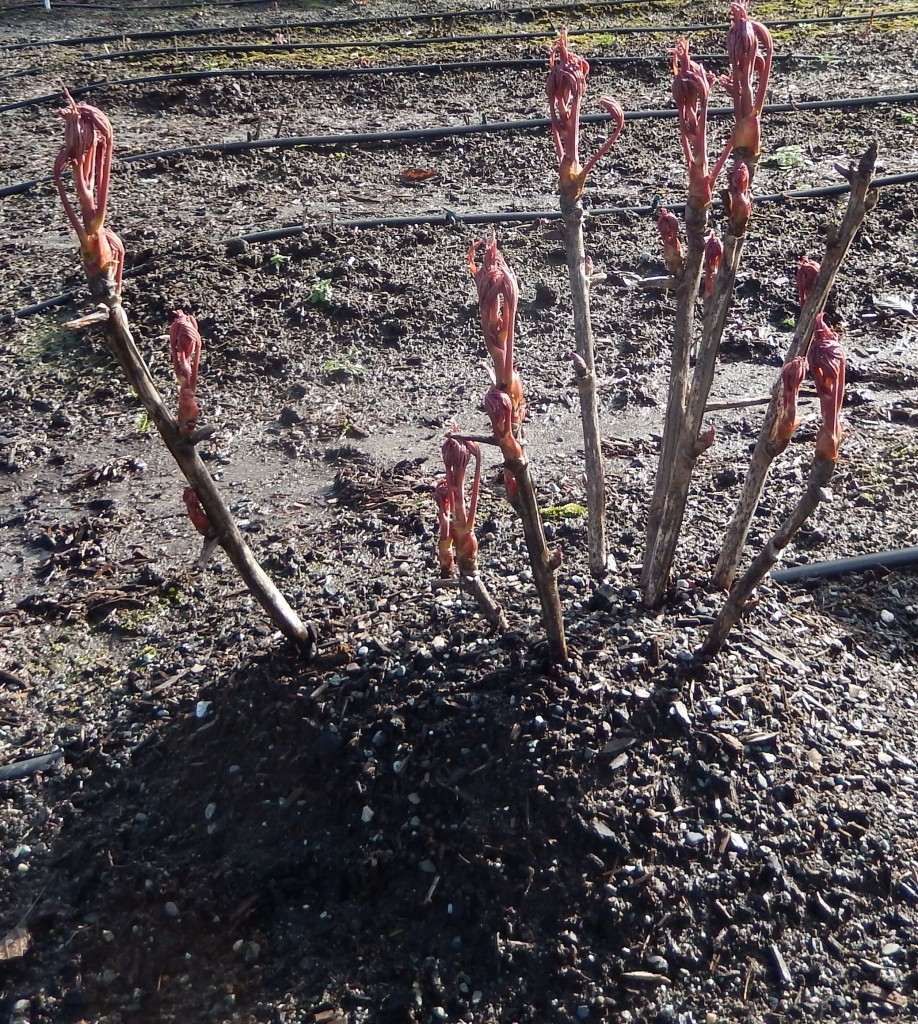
x=507 y=37
x=528 y=216
x=331 y=23
x=40 y=307
x=448 y=131
x=904 y=558
x=449 y=218
x=519 y=64
x=146 y=7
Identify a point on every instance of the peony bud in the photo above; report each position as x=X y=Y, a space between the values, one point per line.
x=826 y=359
x=786 y=420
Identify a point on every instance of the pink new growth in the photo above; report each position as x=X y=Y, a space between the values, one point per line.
x=791 y=378
x=444 y=520
x=739 y=202
x=747 y=81
x=500 y=413
x=452 y=507
x=691 y=91
x=87 y=152
x=668 y=226
x=705 y=439
x=807 y=273
x=196 y=511
x=827 y=367
x=565 y=88
x=713 y=254
x=498 y=295
x=185 y=345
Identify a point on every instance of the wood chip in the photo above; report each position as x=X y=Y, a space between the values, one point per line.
x=760 y=739
x=875 y=994
x=617 y=744
x=15 y=943
x=601 y=829
x=730 y=741
x=780 y=965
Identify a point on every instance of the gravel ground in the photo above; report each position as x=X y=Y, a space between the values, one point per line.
x=426 y=822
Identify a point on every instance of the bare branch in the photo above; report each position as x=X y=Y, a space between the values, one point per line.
x=861 y=201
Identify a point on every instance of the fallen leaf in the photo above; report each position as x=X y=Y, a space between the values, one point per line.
x=412 y=174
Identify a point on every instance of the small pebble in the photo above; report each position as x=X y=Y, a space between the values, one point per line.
x=738 y=843
x=679 y=711
x=887 y=617
x=171 y=909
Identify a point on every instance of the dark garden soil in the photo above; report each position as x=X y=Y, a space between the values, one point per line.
x=426 y=823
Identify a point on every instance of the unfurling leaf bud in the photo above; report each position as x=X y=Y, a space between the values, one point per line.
x=807 y=273
x=500 y=412
x=826 y=359
x=668 y=226
x=691 y=90
x=196 y=512
x=498 y=296
x=87 y=154
x=565 y=88
x=747 y=82
x=705 y=439
x=713 y=254
x=786 y=420
x=185 y=347
x=456 y=455
x=445 y=555
x=738 y=200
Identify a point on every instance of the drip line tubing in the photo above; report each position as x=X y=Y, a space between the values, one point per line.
x=146 y=7
x=40 y=307
x=508 y=37
x=903 y=558
x=449 y=218
x=331 y=23
x=448 y=131
x=518 y=64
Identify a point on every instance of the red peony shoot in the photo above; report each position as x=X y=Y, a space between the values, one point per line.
x=185 y=345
